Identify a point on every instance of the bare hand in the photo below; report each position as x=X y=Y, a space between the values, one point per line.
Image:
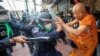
x=59 y=20
x=20 y=39
x=58 y=25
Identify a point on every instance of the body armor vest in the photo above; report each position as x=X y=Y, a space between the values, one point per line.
x=5 y=30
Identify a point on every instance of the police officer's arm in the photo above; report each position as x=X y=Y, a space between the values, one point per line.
x=5 y=43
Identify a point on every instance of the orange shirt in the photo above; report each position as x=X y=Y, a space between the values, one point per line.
x=91 y=33
x=88 y=40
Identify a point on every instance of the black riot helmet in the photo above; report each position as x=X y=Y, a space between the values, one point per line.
x=45 y=19
x=6 y=30
x=45 y=16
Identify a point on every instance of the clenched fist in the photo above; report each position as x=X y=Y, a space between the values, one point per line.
x=19 y=39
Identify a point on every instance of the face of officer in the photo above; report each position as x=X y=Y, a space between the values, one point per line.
x=79 y=11
x=48 y=25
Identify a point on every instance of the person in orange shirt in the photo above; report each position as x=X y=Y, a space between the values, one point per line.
x=85 y=36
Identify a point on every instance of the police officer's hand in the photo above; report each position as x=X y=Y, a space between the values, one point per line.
x=19 y=39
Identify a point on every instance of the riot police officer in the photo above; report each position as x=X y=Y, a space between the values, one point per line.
x=46 y=27
x=7 y=40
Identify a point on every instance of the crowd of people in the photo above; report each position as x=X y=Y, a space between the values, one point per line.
x=85 y=36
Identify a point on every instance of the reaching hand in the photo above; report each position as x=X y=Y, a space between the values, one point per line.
x=58 y=25
x=19 y=39
x=59 y=20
